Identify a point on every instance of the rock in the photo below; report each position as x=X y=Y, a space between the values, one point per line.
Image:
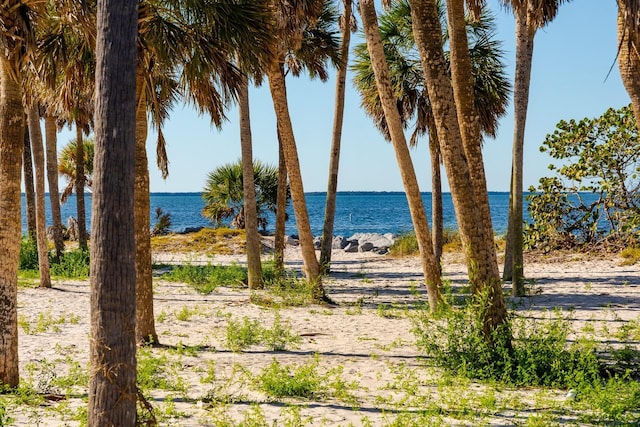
x=291 y=241
x=339 y=242
x=366 y=247
x=188 y=230
x=352 y=246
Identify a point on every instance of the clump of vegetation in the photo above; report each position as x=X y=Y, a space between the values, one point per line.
x=209 y=241
x=240 y=335
x=163 y=223
x=71 y=265
x=630 y=255
x=594 y=201
x=28 y=254
x=536 y=356
x=303 y=381
x=206 y=278
x=405 y=245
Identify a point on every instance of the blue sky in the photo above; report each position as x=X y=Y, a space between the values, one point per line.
x=571 y=60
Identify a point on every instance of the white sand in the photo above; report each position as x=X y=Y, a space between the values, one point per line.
x=372 y=346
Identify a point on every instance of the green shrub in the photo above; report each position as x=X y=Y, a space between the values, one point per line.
x=71 y=265
x=278 y=380
x=28 y=254
x=405 y=245
x=241 y=335
x=206 y=278
x=536 y=356
x=631 y=255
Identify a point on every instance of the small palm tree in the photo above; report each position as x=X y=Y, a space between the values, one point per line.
x=67 y=166
x=224 y=194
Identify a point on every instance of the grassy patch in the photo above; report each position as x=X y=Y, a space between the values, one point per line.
x=630 y=255
x=245 y=333
x=206 y=278
x=208 y=240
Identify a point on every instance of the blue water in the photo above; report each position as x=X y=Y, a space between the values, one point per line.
x=365 y=212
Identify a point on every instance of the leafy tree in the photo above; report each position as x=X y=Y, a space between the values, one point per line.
x=595 y=198
x=224 y=194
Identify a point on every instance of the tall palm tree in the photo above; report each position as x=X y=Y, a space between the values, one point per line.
x=348 y=25
x=35 y=134
x=491 y=87
x=291 y=21
x=112 y=387
x=430 y=268
x=16 y=41
x=629 y=43
x=530 y=16
x=51 y=143
x=479 y=245
x=29 y=193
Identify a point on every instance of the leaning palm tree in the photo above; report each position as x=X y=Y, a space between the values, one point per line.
x=380 y=68
x=472 y=220
x=530 y=16
x=17 y=41
x=297 y=24
x=348 y=25
x=224 y=194
x=491 y=87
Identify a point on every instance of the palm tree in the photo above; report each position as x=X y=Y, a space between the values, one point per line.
x=491 y=87
x=17 y=41
x=348 y=25
x=29 y=193
x=51 y=142
x=292 y=21
x=430 y=268
x=530 y=16
x=35 y=133
x=112 y=387
x=224 y=193
x=67 y=166
x=628 y=43
x=479 y=245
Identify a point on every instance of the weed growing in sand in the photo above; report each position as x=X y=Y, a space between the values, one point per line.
x=630 y=255
x=405 y=245
x=5 y=419
x=46 y=322
x=206 y=278
x=240 y=335
x=185 y=314
x=286 y=291
x=304 y=381
x=156 y=372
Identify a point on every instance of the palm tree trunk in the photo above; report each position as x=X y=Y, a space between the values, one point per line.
x=254 y=265
x=80 y=183
x=524 y=57
x=35 y=134
x=112 y=385
x=29 y=194
x=480 y=251
x=11 y=143
x=437 y=220
x=469 y=121
x=629 y=59
x=145 y=322
x=279 y=96
x=334 y=159
x=52 y=177
x=281 y=212
x=430 y=268
x=507 y=272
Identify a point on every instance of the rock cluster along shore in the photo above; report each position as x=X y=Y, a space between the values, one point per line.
x=359 y=242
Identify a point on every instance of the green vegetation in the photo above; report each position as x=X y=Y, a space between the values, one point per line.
x=206 y=278
x=600 y=157
x=71 y=265
x=240 y=335
x=407 y=244
x=630 y=255
x=223 y=193
x=162 y=224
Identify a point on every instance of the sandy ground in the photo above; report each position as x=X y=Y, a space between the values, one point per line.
x=364 y=339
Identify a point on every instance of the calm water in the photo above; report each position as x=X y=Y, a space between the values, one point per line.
x=373 y=212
